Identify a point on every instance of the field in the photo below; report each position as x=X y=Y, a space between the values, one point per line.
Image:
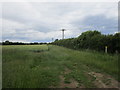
x=42 y=66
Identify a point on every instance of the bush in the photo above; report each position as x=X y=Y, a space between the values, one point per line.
x=93 y=40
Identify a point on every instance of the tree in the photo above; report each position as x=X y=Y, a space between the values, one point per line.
x=7 y=42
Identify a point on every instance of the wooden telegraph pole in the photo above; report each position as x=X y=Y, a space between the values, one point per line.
x=63 y=33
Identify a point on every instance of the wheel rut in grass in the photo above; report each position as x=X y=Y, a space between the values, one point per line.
x=71 y=84
x=104 y=81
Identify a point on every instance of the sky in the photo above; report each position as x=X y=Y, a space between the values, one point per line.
x=42 y=21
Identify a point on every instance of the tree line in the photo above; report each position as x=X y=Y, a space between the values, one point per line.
x=92 y=40
x=20 y=43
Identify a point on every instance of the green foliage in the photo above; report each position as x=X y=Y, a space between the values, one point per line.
x=93 y=40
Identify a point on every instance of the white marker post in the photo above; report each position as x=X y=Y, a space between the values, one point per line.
x=105 y=49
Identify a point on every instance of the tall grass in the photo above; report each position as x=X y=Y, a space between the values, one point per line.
x=24 y=68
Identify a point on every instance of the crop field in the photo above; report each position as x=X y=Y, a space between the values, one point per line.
x=50 y=66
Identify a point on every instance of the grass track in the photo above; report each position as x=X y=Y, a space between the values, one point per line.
x=23 y=68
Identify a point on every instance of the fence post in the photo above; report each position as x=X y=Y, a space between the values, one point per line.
x=106 y=49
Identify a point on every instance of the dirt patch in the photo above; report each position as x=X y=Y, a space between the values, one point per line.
x=67 y=71
x=104 y=81
x=73 y=84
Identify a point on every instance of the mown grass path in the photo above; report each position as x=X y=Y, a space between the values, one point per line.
x=35 y=66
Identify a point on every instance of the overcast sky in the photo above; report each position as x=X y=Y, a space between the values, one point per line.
x=42 y=21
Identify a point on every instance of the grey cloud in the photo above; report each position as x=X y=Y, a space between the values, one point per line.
x=42 y=21
x=98 y=22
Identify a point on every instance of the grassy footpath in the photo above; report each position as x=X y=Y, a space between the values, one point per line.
x=33 y=66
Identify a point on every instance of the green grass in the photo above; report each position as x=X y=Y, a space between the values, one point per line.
x=24 y=68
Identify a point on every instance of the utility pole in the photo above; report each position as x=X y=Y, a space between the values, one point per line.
x=63 y=33
x=52 y=39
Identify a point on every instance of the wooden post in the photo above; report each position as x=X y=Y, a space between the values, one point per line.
x=105 y=49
